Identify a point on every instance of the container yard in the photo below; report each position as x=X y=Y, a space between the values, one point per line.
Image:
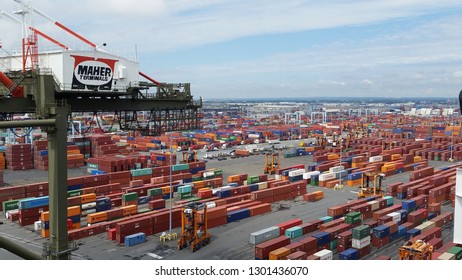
x=100 y=161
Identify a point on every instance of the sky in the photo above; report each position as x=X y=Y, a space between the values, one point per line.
x=269 y=48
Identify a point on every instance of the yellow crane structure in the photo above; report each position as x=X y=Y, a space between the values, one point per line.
x=371 y=184
x=418 y=250
x=272 y=163
x=194 y=231
x=189 y=156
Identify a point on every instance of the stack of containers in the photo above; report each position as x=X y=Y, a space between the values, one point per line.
x=144 y=174
x=361 y=240
x=30 y=209
x=216 y=216
x=184 y=191
x=264 y=235
x=313 y=196
x=380 y=235
x=83 y=145
x=40 y=148
x=73 y=216
x=89 y=207
x=19 y=157
x=296 y=175
x=158 y=158
x=2 y=161
x=263 y=249
x=130 y=199
x=344 y=241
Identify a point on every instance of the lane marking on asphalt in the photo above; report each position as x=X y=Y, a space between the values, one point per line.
x=154 y=256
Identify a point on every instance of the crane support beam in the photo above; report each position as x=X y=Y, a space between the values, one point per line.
x=18 y=250
x=29 y=123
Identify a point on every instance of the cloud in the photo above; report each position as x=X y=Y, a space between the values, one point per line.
x=458 y=74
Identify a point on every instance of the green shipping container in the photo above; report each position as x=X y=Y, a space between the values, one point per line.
x=180 y=167
x=129 y=196
x=196 y=178
x=313 y=183
x=154 y=191
x=218 y=172
x=194 y=199
x=74 y=193
x=457 y=251
x=253 y=180
x=389 y=200
x=10 y=205
x=352 y=217
x=185 y=189
x=361 y=232
x=333 y=245
x=326 y=219
x=141 y=172
x=92 y=165
x=294 y=232
x=184 y=195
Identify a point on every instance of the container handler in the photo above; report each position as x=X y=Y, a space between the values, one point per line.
x=419 y=250
x=194 y=232
x=189 y=156
x=272 y=163
x=368 y=178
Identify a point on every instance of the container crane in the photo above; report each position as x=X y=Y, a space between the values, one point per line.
x=49 y=101
x=272 y=163
x=367 y=179
x=194 y=231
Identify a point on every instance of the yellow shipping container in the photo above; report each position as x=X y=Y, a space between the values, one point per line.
x=96 y=217
x=45 y=233
x=388 y=167
x=279 y=254
x=45 y=216
x=396 y=157
x=129 y=210
x=353 y=183
x=332 y=156
x=417 y=158
x=87 y=198
x=73 y=211
x=75 y=225
x=165 y=190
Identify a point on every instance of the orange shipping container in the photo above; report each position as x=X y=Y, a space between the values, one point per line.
x=279 y=254
x=129 y=210
x=96 y=217
x=87 y=198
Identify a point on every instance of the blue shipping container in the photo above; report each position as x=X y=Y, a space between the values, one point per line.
x=135 y=239
x=144 y=199
x=403 y=213
x=28 y=203
x=381 y=231
x=393 y=236
x=103 y=208
x=409 y=205
x=75 y=219
x=253 y=187
x=238 y=215
x=431 y=215
x=103 y=201
x=222 y=193
x=97 y=172
x=401 y=195
x=411 y=233
x=401 y=231
x=74 y=187
x=349 y=254
x=322 y=237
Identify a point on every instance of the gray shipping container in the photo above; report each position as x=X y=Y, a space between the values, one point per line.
x=342 y=174
x=263 y=235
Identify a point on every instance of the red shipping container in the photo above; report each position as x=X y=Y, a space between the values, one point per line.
x=364 y=251
x=262 y=250
x=310 y=244
x=331 y=224
x=296 y=246
x=288 y=224
x=259 y=209
x=111 y=234
x=436 y=242
x=380 y=242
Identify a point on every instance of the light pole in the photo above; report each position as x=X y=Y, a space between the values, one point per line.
x=451 y=159
x=339 y=185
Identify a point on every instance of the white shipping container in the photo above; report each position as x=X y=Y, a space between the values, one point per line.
x=447 y=256
x=324 y=254
x=425 y=226
x=361 y=243
x=376 y=159
x=90 y=205
x=336 y=169
x=396 y=217
x=308 y=175
x=374 y=205
x=263 y=235
x=89 y=211
x=297 y=172
x=37 y=225
x=208 y=174
x=226 y=188
x=8 y=213
x=326 y=176
x=210 y=204
x=262 y=185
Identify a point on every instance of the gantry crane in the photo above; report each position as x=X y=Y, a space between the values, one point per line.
x=194 y=231
x=417 y=250
x=272 y=163
x=371 y=184
x=189 y=156
x=35 y=91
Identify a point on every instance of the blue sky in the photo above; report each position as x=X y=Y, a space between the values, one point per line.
x=269 y=48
